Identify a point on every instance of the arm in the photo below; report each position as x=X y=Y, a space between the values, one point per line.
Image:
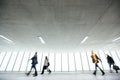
x=98 y=58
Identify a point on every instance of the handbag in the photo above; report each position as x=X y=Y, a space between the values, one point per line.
x=48 y=64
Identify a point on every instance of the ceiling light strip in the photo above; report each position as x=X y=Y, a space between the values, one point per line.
x=116 y=39
x=84 y=39
x=6 y=38
x=41 y=39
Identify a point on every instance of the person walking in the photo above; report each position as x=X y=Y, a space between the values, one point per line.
x=112 y=63
x=34 y=62
x=96 y=60
x=46 y=65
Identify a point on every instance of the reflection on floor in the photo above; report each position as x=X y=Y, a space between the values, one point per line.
x=59 y=76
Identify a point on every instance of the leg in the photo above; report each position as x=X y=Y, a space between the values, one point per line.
x=35 y=74
x=116 y=71
x=44 y=67
x=110 y=68
x=95 y=69
x=29 y=71
x=103 y=73
x=49 y=70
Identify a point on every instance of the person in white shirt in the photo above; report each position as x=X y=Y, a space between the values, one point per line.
x=46 y=65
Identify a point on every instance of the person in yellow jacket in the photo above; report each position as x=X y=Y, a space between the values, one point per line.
x=96 y=60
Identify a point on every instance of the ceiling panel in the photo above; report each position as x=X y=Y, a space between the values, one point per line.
x=63 y=24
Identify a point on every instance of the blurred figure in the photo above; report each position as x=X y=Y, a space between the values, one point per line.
x=96 y=60
x=46 y=65
x=112 y=63
x=34 y=62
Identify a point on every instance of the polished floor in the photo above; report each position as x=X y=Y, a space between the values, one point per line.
x=59 y=76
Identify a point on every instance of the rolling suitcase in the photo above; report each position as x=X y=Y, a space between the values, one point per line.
x=115 y=67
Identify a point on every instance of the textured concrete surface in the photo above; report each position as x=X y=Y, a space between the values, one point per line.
x=63 y=24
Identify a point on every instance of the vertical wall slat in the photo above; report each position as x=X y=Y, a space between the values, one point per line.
x=81 y=61
x=117 y=55
x=3 y=59
x=54 y=61
x=61 y=62
x=9 y=60
x=88 y=61
x=41 y=62
x=21 y=61
x=15 y=61
x=28 y=62
x=68 y=61
x=74 y=62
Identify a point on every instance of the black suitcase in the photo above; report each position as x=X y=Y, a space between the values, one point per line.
x=115 y=67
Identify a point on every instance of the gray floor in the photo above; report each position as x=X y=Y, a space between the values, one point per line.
x=60 y=76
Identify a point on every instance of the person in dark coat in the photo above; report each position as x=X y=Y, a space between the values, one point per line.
x=96 y=60
x=111 y=63
x=46 y=65
x=34 y=62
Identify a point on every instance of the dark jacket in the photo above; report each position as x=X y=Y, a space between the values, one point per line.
x=110 y=60
x=34 y=60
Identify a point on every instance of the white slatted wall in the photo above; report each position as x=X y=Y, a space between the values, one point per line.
x=59 y=62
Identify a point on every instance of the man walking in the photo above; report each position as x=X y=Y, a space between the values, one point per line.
x=34 y=62
x=96 y=60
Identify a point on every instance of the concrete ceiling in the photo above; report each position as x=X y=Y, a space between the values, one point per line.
x=63 y=24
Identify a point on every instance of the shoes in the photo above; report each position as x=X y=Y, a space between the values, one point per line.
x=116 y=71
x=94 y=73
x=34 y=75
x=27 y=74
x=111 y=71
x=103 y=73
x=49 y=72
